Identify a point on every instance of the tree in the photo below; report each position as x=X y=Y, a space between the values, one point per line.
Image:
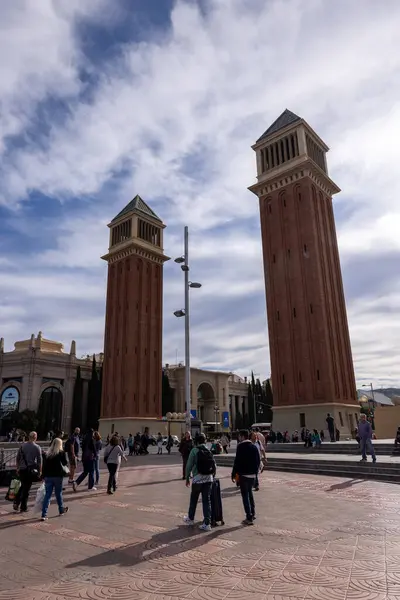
x=251 y=396
x=94 y=397
x=77 y=401
x=167 y=397
x=26 y=421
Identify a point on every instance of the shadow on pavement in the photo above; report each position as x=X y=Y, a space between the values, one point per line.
x=344 y=484
x=162 y=545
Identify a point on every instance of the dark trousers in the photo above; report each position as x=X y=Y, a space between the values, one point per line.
x=246 y=489
x=112 y=480
x=332 y=435
x=184 y=463
x=205 y=490
x=21 y=499
x=88 y=469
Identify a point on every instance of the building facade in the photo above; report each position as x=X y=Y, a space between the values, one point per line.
x=38 y=370
x=132 y=371
x=217 y=397
x=311 y=360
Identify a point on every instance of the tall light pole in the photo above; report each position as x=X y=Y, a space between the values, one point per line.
x=184 y=262
x=372 y=393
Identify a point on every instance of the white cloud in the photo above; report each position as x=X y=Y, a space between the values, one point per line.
x=179 y=113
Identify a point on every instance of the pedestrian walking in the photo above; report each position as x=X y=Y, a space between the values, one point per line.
x=71 y=448
x=88 y=461
x=170 y=443
x=98 y=444
x=29 y=470
x=159 y=443
x=254 y=439
x=131 y=444
x=185 y=448
x=55 y=468
x=112 y=457
x=246 y=467
x=224 y=442
x=365 y=435
x=201 y=464
x=331 y=427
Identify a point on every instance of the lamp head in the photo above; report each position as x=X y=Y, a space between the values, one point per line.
x=194 y=284
x=179 y=313
x=180 y=260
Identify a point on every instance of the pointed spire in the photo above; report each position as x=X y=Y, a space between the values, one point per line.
x=73 y=348
x=285 y=119
x=137 y=205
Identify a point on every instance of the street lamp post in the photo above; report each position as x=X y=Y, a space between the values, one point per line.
x=372 y=393
x=184 y=262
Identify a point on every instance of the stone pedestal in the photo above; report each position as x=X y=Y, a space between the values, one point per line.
x=288 y=418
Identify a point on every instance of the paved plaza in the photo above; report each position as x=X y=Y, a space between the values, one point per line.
x=315 y=537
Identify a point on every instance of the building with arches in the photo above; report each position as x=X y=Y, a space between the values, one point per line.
x=38 y=375
x=217 y=397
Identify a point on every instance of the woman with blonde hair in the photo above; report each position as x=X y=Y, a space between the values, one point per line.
x=55 y=468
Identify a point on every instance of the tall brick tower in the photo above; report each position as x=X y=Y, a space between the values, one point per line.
x=311 y=361
x=131 y=394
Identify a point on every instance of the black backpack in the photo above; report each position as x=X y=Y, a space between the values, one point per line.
x=205 y=461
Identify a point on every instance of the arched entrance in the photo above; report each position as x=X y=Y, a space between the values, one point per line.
x=206 y=404
x=50 y=411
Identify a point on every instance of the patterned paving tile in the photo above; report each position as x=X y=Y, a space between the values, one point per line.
x=309 y=543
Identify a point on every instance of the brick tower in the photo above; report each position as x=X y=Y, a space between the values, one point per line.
x=311 y=361
x=131 y=394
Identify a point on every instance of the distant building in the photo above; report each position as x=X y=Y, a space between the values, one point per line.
x=217 y=397
x=38 y=370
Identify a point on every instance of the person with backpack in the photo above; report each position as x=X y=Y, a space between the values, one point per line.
x=185 y=448
x=71 y=449
x=201 y=464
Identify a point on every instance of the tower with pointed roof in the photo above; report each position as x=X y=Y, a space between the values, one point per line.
x=132 y=368
x=311 y=360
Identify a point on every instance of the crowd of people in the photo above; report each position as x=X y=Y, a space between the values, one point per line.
x=198 y=464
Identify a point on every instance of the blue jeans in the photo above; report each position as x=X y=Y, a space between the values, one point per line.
x=246 y=489
x=53 y=483
x=205 y=490
x=366 y=446
x=88 y=469
x=97 y=470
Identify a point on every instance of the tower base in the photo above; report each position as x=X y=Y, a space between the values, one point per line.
x=289 y=418
x=126 y=425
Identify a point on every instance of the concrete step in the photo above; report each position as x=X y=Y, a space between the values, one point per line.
x=381 y=471
x=330 y=448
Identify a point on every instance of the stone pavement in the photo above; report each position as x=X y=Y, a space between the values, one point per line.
x=315 y=538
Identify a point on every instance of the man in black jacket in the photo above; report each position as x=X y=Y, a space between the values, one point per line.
x=246 y=466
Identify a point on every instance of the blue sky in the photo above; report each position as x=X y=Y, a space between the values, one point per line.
x=102 y=100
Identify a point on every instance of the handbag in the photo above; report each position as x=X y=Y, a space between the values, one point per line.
x=13 y=489
x=109 y=454
x=65 y=468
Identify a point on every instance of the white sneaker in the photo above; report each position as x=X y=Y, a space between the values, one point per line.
x=93 y=489
x=205 y=527
x=188 y=521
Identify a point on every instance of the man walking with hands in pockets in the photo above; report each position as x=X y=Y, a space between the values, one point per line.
x=246 y=467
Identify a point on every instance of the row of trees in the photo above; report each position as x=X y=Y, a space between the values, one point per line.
x=93 y=407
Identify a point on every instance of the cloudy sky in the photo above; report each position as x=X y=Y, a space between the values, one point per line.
x=102 y=100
